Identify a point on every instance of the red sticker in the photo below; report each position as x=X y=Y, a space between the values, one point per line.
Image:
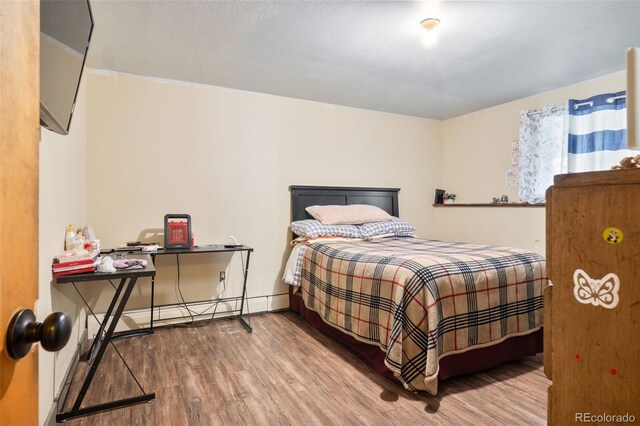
x=614 y=371
x=577 y=356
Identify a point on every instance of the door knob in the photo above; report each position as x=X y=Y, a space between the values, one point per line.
x=53 y=333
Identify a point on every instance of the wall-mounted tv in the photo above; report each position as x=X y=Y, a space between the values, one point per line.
x=65 y=34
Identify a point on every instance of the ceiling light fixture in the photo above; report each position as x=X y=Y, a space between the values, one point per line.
x=430 y=36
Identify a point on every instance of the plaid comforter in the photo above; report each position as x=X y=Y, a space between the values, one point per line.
x=421 y=300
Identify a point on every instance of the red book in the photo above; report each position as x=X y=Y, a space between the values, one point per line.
x=61 y=265
x=75 y=271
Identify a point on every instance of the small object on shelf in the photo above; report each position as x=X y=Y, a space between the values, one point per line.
x=504 y=199
x=90 y=268
x=80 y=269
x=439 y=196
x=128 y=248
x=495 y=200
x=75 y=255
x=235 y=242
x=73 y=240
x=89 y=233
x=106 y=265
x=122 y=264
x=69 y=236
x=77 y=266
x=448 y=198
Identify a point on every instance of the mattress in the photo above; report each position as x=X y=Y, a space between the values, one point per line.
x=420 y=301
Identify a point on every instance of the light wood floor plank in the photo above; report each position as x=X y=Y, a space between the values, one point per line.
x=286 y=373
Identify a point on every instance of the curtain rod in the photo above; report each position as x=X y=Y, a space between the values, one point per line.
x=576 y=106
x=615 y=98
x=553 y=111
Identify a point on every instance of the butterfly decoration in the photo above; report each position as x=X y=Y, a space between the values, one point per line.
x=602 y=292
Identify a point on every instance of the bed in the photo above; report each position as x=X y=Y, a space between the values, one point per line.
x=417 y=310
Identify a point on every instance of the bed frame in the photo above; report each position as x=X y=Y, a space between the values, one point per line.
x=511 y=349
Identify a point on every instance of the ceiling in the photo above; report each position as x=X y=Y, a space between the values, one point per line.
x=369 y=54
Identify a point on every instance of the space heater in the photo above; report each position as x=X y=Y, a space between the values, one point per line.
x=177 y=231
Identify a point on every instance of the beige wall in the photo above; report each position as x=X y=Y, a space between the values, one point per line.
x=142 y=147
x=62 y=201
x=476 y=151
x=227 y=158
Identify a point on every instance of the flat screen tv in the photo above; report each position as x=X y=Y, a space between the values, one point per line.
x=65 y=34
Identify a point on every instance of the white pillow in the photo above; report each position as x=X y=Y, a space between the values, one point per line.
x=354 y=214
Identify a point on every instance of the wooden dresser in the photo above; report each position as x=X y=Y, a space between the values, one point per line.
x=592 y=310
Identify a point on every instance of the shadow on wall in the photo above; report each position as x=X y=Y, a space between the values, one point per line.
x=151 y=236
x=65 y=298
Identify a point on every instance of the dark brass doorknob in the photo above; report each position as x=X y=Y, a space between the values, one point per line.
x=53 y=333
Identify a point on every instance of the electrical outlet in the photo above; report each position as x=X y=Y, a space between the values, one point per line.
x=222 y=277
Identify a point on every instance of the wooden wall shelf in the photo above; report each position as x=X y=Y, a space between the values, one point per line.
x=490 y=205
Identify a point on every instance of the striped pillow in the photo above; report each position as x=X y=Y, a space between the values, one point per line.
x=312 y=228
x=370 y=230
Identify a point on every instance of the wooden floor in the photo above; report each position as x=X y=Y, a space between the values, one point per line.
x=285 y=372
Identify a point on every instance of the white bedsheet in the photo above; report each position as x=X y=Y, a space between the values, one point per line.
x=293 y=268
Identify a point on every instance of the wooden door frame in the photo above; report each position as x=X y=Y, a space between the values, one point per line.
x=19 y=139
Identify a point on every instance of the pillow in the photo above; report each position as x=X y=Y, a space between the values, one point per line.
x=312 y=228
x=370 y=230
x=375 y=237
x=354 y=214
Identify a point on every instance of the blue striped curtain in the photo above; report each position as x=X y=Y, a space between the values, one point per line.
x=597 y=132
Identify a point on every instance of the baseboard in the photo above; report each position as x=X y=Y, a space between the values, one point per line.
x=176 y=314
x=64 y=387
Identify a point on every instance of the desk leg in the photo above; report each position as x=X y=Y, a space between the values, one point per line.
x=153 y=286
x=98 y=337
x=147 y=397
x=75 y=411
x=244 y=295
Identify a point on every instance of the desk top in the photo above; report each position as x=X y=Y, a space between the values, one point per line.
x=212 y=248
x=148 y=271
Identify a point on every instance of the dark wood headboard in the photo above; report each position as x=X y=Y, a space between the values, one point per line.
x=305 y=196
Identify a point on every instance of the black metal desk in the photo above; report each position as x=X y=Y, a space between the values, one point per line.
x=209 y=249
x=103 y=337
